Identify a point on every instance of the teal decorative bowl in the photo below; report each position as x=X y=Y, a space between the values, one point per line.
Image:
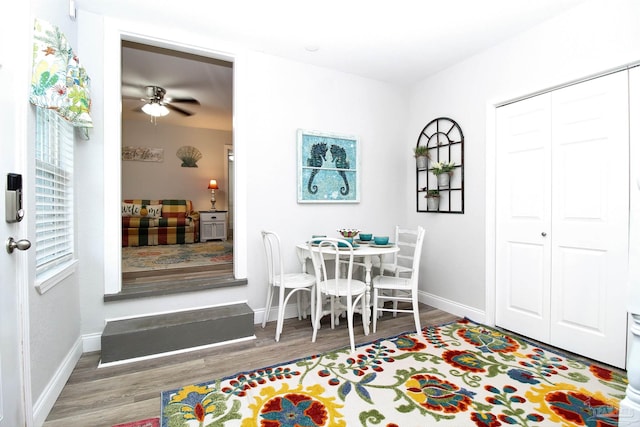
x=381 y=240
x=365 y=236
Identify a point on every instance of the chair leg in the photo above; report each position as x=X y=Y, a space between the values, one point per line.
x=316 y=318
x=350 y=323
x=394 y=293
x=375 y=309
x=416 y=313
x=312 y=306
x=281 y=292
x=267 y=308
x=365 y=314
x=332 y=310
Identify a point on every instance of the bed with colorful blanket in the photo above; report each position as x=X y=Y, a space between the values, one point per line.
x=159 y=222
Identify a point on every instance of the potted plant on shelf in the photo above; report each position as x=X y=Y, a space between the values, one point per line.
x=433 y=200
x=421 y=153
x=443 y=171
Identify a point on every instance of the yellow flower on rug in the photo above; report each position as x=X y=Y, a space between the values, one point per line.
x=302 y=406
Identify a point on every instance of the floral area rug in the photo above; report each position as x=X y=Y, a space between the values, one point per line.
x=143 y=258
x=458 y=374
x=151 y=422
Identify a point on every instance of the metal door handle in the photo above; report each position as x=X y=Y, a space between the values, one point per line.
x=543 y=234
x=21 y=245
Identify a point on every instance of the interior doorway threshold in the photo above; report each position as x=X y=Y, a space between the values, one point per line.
x=175 y=282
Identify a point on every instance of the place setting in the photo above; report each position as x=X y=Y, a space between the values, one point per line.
x=316 y=239
x=373 y=240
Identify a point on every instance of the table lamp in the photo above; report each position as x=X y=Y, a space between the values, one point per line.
x=213 y=186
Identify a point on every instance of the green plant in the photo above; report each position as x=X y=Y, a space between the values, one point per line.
x=432 y=193
x=421 y=151
x=443 y=167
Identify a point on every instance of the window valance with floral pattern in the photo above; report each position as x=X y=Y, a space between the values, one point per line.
x=58 y=81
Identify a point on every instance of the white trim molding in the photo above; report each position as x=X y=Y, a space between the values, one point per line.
x=47 y=399
x=56 y=276
x=629 y=414
x=452 y=307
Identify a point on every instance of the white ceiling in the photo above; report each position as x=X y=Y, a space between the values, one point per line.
x=401 y=42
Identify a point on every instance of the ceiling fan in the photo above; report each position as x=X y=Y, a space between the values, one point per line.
x=158 y=104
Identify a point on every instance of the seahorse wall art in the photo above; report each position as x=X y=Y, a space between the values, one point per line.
x=316 y=159
x=339 y=158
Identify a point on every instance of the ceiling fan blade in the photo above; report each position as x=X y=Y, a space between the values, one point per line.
x=184 y=100
x=137 y=98
x=178 y=109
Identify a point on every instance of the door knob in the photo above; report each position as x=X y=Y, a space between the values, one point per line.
x=21 y=245
x=544 y=234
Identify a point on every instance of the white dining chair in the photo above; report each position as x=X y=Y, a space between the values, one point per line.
x=287 y=284
x=402 y=261
x=342 y=291
x=402 y=285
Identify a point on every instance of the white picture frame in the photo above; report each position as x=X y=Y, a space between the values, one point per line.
x=328 y=167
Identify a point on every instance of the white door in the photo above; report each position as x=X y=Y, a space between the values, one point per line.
x=523 y=215
x=13 y=280
x=11 y=380
x=562 y=217
x=590 y=221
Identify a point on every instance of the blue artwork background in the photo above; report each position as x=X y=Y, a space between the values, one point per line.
x=328 y=178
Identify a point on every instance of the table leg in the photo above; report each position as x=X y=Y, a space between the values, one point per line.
x=303 y=255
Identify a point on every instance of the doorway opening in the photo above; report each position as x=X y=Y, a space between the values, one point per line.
x=168 y=159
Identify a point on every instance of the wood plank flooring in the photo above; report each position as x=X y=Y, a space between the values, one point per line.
x=102 y=397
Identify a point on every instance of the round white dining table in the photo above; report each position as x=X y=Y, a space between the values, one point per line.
x=365 y=251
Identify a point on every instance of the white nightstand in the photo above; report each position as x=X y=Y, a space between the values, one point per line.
x=213 y=225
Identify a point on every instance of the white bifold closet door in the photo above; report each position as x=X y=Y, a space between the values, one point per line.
x=562 y=209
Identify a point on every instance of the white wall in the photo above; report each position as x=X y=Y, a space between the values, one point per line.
x=589 y=39
x=54 y=317
x=167 y=179
x=287 y=95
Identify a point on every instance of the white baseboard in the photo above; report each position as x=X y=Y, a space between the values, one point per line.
x=290 y=312
x=91 y=342
x=424 y=297
x=51 y=392
x=452 y=307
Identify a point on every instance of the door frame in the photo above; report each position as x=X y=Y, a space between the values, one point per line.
x=114 y=31
x=230 y=177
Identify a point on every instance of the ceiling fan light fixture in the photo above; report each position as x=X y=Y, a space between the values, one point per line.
x=155 y=109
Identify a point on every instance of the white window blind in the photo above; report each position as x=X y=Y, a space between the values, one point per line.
x=54 y=191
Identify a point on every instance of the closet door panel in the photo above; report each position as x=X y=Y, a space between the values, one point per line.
x=523 y=215
x=589 y=220
x=583 y=272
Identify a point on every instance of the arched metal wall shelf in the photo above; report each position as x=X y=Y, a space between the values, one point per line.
x=444 y=140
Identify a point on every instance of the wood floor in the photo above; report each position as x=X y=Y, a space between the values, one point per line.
x=102 y=397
